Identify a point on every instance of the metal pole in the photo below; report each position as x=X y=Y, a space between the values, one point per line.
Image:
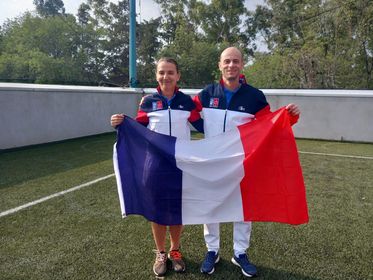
x=132 y=49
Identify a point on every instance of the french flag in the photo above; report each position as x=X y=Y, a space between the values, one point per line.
x=251 y=173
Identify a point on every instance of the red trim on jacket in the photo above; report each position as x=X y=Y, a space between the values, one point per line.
x=142 y=117
x=198 y=103
x=194 y=116
x=242 y=80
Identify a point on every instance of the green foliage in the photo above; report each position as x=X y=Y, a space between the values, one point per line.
x=49 y=7
x=195 y=32
x=58 y=49
x=109 y=28
x=220 y=21
x=147 y=51
x=50 y=55
x=198 y=63
x=271 y=71
x=311 y=44
x=326 y=44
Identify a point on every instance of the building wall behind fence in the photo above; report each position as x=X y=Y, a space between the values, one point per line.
x=35 y=114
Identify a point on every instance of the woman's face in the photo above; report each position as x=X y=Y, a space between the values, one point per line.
x=167 y=76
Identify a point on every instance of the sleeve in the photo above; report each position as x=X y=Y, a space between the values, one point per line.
x=264 y=111
x=263 y=105
x=142 y=116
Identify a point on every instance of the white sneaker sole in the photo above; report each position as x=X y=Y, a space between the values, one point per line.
x=243 y=271
x=213 y=269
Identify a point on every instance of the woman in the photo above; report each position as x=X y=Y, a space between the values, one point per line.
x=167 y=111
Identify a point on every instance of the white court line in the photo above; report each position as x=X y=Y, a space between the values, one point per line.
x=32 y=203
x=14 y=210
x=335 y=155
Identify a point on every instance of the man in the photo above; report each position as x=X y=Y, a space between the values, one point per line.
x=226 y=105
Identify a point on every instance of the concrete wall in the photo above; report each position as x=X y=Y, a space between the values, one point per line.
x=345 y=115
x=34 y=114
x=329 y=114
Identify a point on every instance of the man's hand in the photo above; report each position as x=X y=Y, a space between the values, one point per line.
x=293 y=109
x=116 y=120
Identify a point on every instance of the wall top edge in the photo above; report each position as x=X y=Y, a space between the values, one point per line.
x=269 y=92
x=65 y=88
x=295 y=92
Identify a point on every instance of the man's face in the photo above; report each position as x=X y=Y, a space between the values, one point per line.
x=230 y=64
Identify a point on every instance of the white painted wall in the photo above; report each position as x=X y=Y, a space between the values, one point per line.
x=344 y=115
x=34 y=114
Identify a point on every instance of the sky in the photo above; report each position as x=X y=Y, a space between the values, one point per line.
x=146 y=9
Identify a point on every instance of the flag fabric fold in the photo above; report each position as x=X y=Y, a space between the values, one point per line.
x=251 y=173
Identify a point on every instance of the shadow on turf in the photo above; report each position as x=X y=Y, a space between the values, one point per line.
x=32 y=162
x=225 y=269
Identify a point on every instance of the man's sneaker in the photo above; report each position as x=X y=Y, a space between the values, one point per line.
x=248 y=269
x=208 y=265
x=177 y=260
x=160 y=264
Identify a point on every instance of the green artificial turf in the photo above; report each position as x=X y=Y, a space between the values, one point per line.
x=81 y=235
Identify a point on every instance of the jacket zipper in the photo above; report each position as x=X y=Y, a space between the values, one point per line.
x=225 y=119
x=169 y=118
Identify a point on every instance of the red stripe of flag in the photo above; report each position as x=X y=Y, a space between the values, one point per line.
x=273 y=186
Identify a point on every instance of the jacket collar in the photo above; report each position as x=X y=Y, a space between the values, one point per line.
x=242 y=80
x=160 y=91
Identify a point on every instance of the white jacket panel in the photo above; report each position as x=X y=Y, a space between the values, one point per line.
x=214 y=120
x=177 y=120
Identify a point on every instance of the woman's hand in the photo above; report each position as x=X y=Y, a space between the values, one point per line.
x=116 y=120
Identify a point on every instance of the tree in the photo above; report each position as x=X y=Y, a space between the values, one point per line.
x=148 y=45
x=327 y=43
x=58 y=48
x=271 y=70
x=221 y=21
x=42 y=50
x=83 y=14
x=198 y=64
x=111 y=23
x=47 y=8
x=194 y=32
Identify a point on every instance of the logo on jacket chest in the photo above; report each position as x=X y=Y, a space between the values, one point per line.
x=214 y=102
x=157 y=105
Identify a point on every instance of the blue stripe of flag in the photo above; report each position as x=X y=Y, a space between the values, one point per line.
x=151 y=182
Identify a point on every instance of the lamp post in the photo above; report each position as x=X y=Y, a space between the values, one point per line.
x=132 y=47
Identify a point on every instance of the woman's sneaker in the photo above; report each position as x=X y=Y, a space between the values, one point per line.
x=160 y=264
x=176 y=259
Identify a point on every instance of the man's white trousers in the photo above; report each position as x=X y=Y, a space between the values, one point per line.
x=241 y=237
